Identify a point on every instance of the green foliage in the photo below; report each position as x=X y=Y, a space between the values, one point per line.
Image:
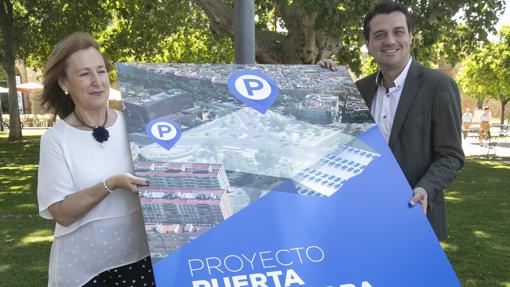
x=40 y=24
x=369 y=66
x=180 y=31
x=267 y=14
x=112 y=75
x=450 y=28
x=3 y=74
x=30 y=28
x=135 y=30
x=471 y=80
x=485 y=74
x=168 y=31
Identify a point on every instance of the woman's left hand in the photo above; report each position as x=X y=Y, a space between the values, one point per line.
x=126 y=181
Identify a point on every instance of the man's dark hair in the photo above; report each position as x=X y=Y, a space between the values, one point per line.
x=385 y=8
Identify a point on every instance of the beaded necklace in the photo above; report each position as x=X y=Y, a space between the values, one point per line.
x=99 y=132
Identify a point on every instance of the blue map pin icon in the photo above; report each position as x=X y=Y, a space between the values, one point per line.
x=164 y=131
x=253 y=88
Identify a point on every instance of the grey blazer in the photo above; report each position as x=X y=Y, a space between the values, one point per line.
x=426 y=134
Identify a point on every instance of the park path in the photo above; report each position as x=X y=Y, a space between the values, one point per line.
x=499 y=147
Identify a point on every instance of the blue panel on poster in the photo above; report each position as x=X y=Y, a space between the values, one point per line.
x=348 y=238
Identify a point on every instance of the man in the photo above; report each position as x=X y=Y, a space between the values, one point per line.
x=467 y=120
x=417 y=110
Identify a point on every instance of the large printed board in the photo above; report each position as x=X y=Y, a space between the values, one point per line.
x=271 y=175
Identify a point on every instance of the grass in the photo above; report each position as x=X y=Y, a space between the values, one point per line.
x=477 y=204
x=25 y=238
x=478 y=208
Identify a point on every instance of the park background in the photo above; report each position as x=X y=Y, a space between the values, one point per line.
x=467 y=39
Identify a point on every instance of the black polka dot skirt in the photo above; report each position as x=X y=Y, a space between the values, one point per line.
x=138 y=274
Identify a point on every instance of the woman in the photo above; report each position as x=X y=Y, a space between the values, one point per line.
x=85 y=182
x=485 y=125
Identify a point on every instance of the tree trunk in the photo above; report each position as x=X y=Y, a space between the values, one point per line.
x=302 y=44
x=1 y=116
x=14 y=121
x=479 y=104
x=6 y=23
x=503 y=104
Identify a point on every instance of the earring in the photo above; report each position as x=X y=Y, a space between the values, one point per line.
x=66 y=91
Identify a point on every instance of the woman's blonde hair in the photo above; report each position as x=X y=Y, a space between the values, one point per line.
x=54 y=98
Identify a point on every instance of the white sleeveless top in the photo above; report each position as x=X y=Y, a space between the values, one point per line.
x=112 y=233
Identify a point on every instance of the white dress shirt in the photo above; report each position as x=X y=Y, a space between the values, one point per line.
x=384 y=105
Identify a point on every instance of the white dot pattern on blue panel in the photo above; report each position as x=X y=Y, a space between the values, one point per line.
x=331 y=172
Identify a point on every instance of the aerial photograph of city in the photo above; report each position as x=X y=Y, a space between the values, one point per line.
x=229 y=154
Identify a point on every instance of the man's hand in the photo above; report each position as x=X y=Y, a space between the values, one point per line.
x=328 y=64
x=420 y=195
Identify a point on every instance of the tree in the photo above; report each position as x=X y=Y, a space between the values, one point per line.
x=288 y=32
x=162 y=32
x=470 y=77
x=317 y=29
x=201 y=31
x=485 y=74
x=30 y=28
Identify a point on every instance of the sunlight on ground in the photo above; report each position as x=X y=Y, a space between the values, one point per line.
x=481 y=234
x=471 y=282
x=37 y=237
x=449 y=247
x=19 y=189
x=501 y=247
x=453 y=196
x=4 y=267
x=9 y=179
x=26 y=206
x=25 y=167
x=25 y=132
x=495 y=164
x=505 y=284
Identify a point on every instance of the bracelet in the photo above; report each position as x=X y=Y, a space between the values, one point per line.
x=106 y=186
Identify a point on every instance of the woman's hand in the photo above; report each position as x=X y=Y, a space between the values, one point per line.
x=76 y=205
x=126 y=181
